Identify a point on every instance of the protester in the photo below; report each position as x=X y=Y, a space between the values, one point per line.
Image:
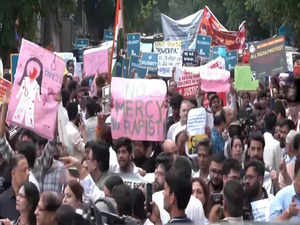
x=73 y=194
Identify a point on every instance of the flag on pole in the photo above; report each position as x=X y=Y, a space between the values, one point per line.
x=117 y=26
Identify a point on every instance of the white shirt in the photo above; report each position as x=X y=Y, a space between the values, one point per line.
x=272 y=152
x=113 y=160
x=90 y=128
x=62 y=120
x=74 y=141
x=194 y=209
x=175 y=127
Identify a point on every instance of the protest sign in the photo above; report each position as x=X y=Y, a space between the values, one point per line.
x=146 y=47
x=125 y=68
x=196 y=123
x=169 y=56
x=13 y=65
x=242 y=79
x=203 y=45
x=268 y=58
x=4 y=85
x=138 y=111
x=108 y=35
x=95 y=61
x=133 y=44
x=219 y=51
x=134 y=65
x=213 y=77
x=38 y=80
x=184 y=30
x=231 y=60
x=149 y=60
x=66 y=56
x=189 y=58
x=233 y=40
x=81 y=43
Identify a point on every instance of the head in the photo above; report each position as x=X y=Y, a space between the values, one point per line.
x=204 y=154
x=256 y=147
x=296 y=145
x=289 y=140
x=279 y=110
x=245 y=99
x=28 y=149
x=285 y=126
x=163 y=164
x=175 y=102
x=233 y=199
x=200 y=190
x=180 y=140
x=73 y=194
x=140 y=149
x=122 y=196
x=229 y=115
x=72 y=109
x=19 y=171
x=98 y=157
x=123 y=147
x=215 y=103
x=172 y=89
x=28 y=135
x=138 y=203
x=70 y=66
x=215 y=170
x=185 y=107
x=237 y=148
x=33 y=70
x=232 y=170
x=177 y=191
x=170 y=147
x=254 y=178
x=91 y=107
x=277 y=132
x=110 y=183
x=270 y=122
x=48 y=204
x=27 y=200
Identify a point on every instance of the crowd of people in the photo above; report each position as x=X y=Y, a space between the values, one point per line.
x=247 y=166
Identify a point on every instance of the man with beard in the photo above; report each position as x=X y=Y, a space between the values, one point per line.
x=258 y=199
x=285 y=127
x=141 y=160
x=256 y=152
x=215 y=183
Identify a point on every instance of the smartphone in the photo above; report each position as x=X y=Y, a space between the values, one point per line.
x=149 y=197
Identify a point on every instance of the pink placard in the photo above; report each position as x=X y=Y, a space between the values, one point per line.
x=95 y=61
x=138 y=111
x=38 y=80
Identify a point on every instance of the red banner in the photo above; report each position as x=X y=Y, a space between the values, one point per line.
x=233 y=40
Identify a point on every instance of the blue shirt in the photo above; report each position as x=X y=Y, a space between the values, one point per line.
x=282 y=202
x=217 y=141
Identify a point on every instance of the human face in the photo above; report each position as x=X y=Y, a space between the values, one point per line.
x=43 y=216
x=21 y=172
x=172 y=87
x=216 y=105
x=256 y=150
x=184 y=110
x=237 y=149
x=160 y=176
x=233 y=175
x=21 y=201
x=252 y=182
x=139 y=149
x=181 y=140
x=91 y=163
x=123 y=158
x=215 y=173
x=277 y=133
x=284 y=130
x=203 y=158
x=70 y=198
x=70 y=67
x=198 y=192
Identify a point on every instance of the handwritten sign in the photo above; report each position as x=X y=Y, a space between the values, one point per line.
x=133 y=44
x=243 y=80
x=203 y=46
x=195 y=130
x=169 y=56
x=138 y=110
x=95 y=61
x=38 y=80
x=4 y=85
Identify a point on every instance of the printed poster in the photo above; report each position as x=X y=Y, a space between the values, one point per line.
x=169 y=56
x=133 y=44
x=149 y=60
x=195 y=130
x=203 y=46
x=134 y=65
x=268 y=58
x=38 y=80
x=138 y=111
x=95 y=61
